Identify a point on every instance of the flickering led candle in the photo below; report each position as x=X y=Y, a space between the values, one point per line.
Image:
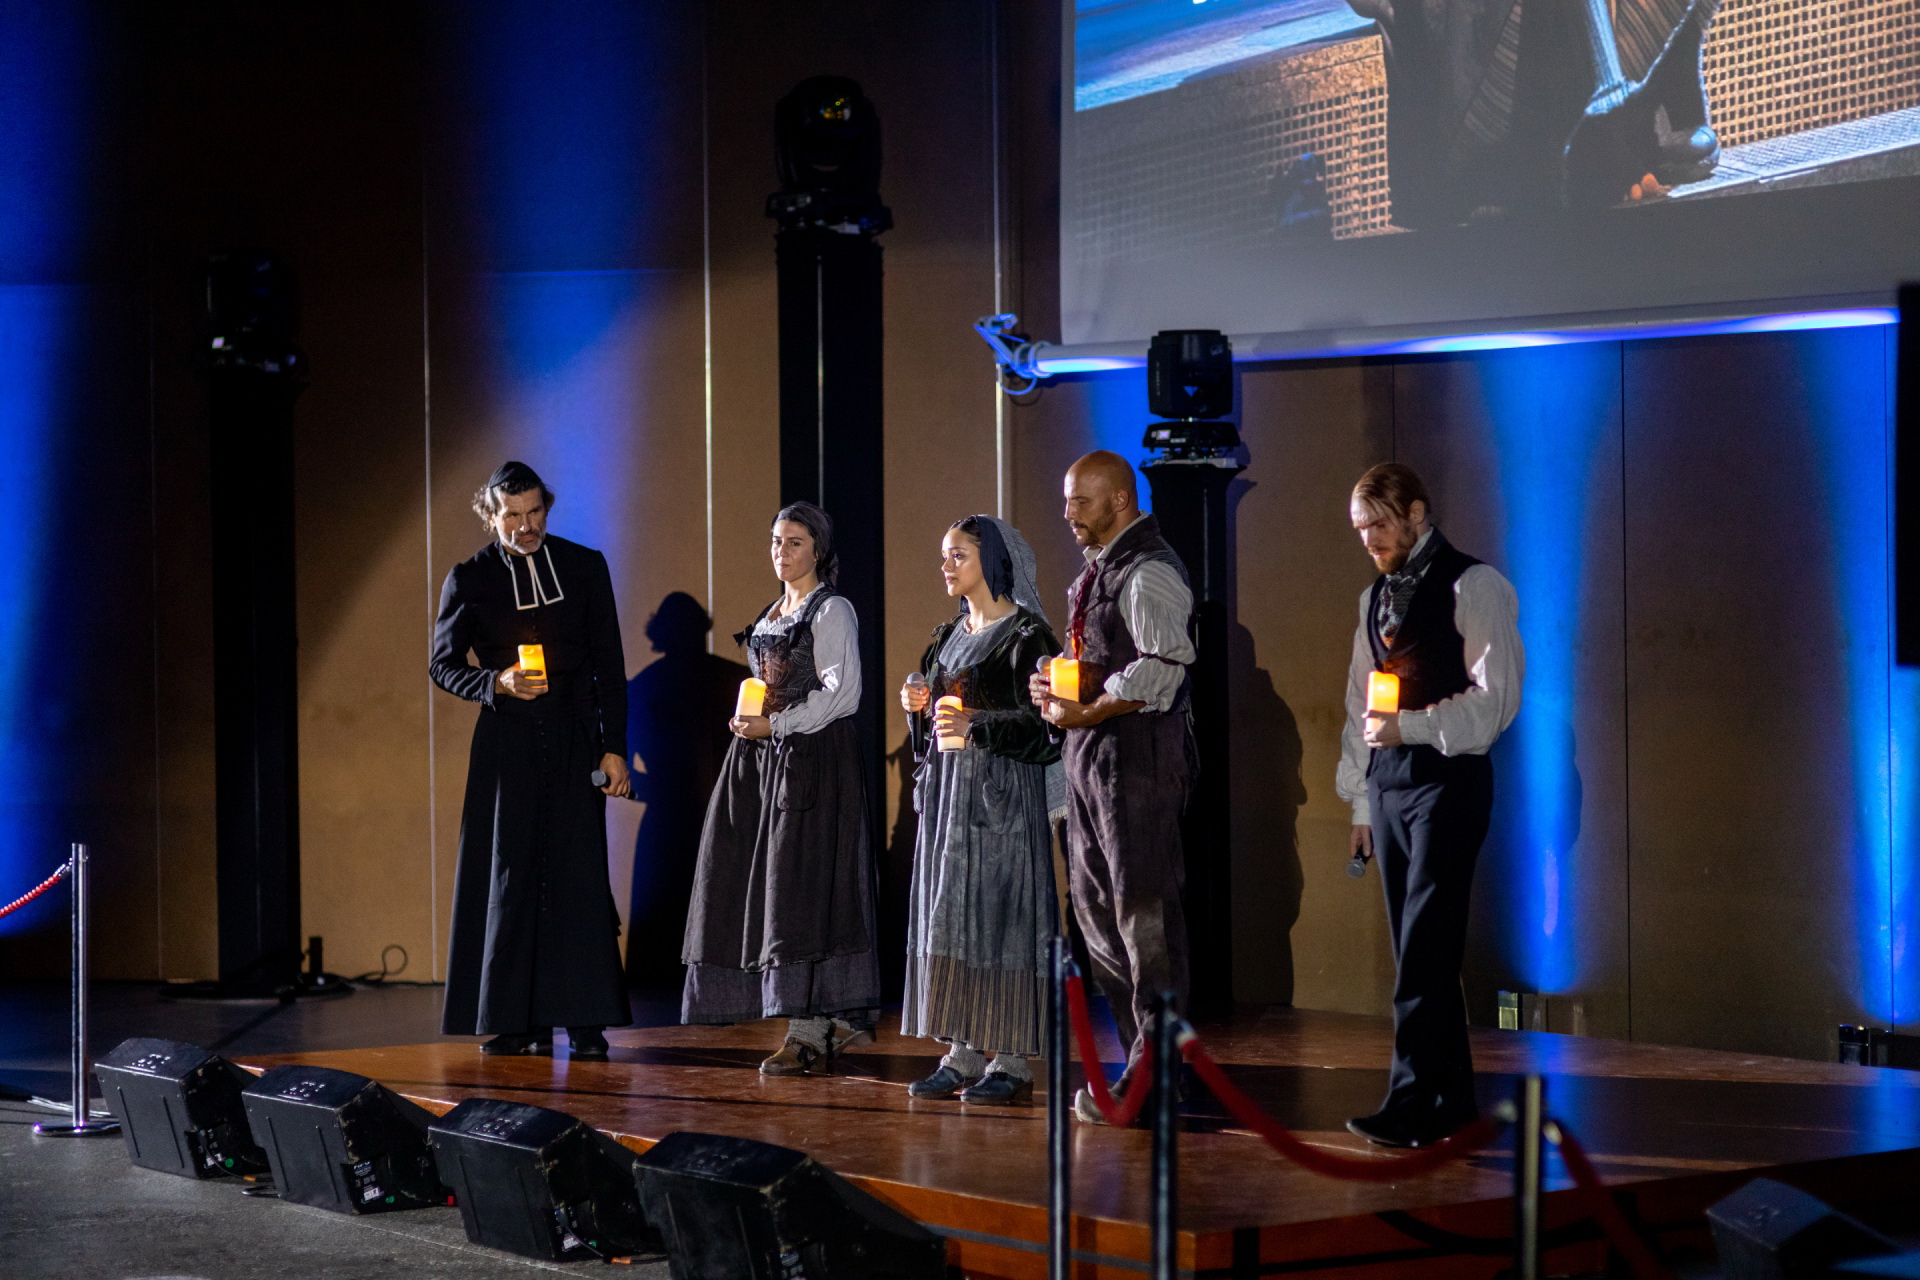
x=1063 y=675
x=753 y=697
x=950 y=742
x=1383 y=693
x=533 y=662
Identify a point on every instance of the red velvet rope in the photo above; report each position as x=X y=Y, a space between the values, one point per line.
x=1317 y=1159
x=1620 y=1233
x=37 y=890
x=1123 y=1113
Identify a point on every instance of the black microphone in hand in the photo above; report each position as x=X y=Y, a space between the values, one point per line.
x=1357 y=865
x=600 y=779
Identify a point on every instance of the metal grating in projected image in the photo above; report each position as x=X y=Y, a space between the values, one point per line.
x=1775 y=67
x=1145 y=182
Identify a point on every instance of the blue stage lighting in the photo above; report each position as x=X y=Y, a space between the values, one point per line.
x=45 y=92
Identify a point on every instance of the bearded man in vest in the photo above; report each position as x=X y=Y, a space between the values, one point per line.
x=1420 y=782
x=1128 y=749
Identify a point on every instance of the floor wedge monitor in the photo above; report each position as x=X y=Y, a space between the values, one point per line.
x=179 y=1108
x=540 y=1183
x=340 y=1141
x=735 y=1209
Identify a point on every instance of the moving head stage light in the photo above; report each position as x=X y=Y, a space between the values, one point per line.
x=1190 y=378
x=540 y=1183
x=180 y=1109
x=826 y=148
x=731 y=1208
x=343 y=1142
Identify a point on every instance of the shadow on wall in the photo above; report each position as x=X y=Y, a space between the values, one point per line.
x=1268 y=791
x=677 y=710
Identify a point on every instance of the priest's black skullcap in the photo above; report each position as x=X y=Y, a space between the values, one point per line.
x=515 y=477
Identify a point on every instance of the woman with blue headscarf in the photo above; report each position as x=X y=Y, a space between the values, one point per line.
x=982 y=904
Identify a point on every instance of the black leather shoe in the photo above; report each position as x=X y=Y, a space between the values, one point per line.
x=1384 y=1130
x=943 y=1083
x=998 y=1089
x=586 y=1044
x=527 y=1042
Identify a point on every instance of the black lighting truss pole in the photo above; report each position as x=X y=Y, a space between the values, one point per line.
x=1190 y=499
x=828 y=266
x=254 y=375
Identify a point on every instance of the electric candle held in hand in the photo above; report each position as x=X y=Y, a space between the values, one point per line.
x=753 y=697
x=1383 y=693
x=533 y=662
x=950 y=742
x=1063 y=675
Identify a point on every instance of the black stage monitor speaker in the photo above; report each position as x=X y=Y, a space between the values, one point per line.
x=1906 y=483
x=179 y=1107
x=735 y=1209
x=343 y=1142
x=1190 y=374
x=1769 y=1231
x=540 y=1183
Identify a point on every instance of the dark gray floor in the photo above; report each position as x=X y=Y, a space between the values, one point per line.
x=74 y=1208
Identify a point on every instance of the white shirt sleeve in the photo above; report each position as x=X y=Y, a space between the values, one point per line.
x=836 y=657
x=1486 y=612
x=1350 y=777
x=1156 y=604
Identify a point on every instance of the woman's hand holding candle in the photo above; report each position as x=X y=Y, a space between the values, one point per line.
x=950 y=723
x=751 y=726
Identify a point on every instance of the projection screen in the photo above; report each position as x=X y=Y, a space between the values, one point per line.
x=1334 y=174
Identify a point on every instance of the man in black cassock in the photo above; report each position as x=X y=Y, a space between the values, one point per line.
x=535 y=934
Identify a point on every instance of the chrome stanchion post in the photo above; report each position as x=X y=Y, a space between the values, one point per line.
x=82 y=1126
x=1059 y=1120
x=1163 y=1187
x=1530 y=1109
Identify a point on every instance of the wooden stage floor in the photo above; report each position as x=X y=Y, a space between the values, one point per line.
x=1677 y=1128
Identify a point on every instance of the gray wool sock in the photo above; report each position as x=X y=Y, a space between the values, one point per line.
x=1013 y=1065
x=965 y=1059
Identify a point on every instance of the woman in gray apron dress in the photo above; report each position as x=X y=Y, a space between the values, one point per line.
x=982 y=903
x=782 y=918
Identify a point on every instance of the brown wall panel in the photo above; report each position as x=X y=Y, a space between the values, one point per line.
x=1739 y=752
x=1304 y=932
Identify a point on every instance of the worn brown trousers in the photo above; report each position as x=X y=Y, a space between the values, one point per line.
x=1127 y=782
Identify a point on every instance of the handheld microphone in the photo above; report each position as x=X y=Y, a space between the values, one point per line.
x=1357 y=865
x=599 y=779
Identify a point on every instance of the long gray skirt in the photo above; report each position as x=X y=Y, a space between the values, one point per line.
x=982 y=904
x=782 y=918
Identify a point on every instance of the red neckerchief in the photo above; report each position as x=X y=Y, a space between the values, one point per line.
x=1077 y=610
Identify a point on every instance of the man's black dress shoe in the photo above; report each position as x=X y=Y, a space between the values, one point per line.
x=526 y=1042
x=1384 y=1130
x=587 y=1044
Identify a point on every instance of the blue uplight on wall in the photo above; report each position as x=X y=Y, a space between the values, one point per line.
x=1118 y=416
x=566 y=146
x=44 y=96
x=1550 y=412
x=1846 y=404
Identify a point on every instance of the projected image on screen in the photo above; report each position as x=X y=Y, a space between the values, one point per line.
x=1214 y=125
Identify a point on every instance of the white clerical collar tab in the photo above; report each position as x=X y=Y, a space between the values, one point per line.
x=541 y=582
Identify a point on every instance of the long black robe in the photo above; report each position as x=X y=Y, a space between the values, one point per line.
x=535 y=937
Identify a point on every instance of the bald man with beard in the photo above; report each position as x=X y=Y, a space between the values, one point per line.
x=1128 y=748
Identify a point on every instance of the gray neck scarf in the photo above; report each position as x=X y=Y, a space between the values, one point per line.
x=1402 y=584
